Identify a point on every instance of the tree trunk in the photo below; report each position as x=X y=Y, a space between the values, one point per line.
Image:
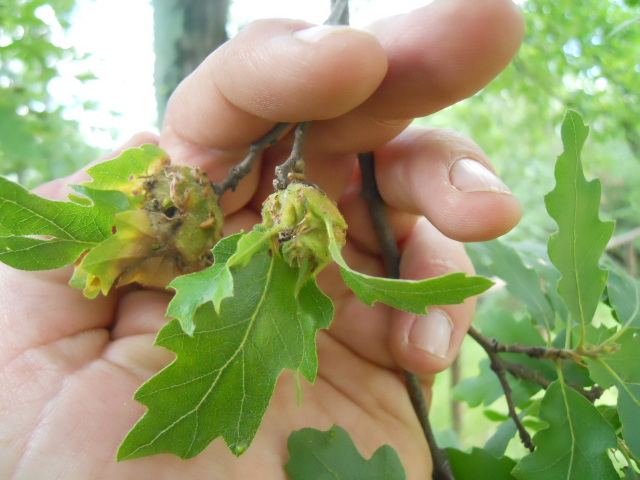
x=186 y=31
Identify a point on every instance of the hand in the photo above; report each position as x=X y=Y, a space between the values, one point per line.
x=70 y=366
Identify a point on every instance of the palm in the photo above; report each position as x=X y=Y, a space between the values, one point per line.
x=78 y=372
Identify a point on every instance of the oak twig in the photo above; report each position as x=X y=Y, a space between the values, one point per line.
x=295 y=162
x=242 y=169
x=391 y=258
x=498 y=366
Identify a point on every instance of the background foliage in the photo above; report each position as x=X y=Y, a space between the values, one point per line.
x=37 y=141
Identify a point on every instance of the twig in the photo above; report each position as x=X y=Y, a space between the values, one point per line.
x=498 y=366
x=391 y=258
x=339 y=13
x=295 y=162
x=536 y=351
x=242 y=169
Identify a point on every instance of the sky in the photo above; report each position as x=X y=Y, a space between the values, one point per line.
x=118 y=37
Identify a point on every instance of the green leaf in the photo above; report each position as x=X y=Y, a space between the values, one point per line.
x=624 y=362
x=117 y=174
x=72 y=228
x=575 y=249
x=629 y=410
x=24 y=213
x=498 y=442
x=479 y=465
x=409 y=295
x=224 y=376
x=26 y=253
x=522 y=282
x=333 y=455
x=211 y=285
x=574 y=446
x=624 y=296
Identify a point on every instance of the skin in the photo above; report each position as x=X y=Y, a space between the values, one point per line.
x=69 y=366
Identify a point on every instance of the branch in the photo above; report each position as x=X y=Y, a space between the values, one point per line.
x=242 y=169
x=498 y=366
x=339 y=13
x=295 y=163
x=391 y=258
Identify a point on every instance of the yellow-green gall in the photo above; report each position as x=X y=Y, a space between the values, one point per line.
x=305 y=220
x=175 y=222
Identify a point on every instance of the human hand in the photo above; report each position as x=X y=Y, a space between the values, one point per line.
x=70 y=365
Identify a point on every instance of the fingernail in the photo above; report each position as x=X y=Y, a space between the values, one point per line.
x=471 y=176
x=432 y=333
x=315 y=34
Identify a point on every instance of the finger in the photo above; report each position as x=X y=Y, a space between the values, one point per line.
x=438 y=55
x=273 y=71
x=427 y=344
x=446 y=177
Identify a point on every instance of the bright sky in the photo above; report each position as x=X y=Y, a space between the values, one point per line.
x=118 y=34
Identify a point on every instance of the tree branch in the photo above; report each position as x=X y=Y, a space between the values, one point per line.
x=242 y=169
x=498 y=366
x=295 y=162
x=391 y=258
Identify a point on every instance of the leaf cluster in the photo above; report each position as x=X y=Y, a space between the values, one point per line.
x=568 y=340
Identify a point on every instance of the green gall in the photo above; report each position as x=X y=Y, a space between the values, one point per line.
x=303 y=221
x=175 y=222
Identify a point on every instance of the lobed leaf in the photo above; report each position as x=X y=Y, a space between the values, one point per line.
x=224 y=375
x=211 y=285
x=575 y=249
x=479 y=465
x=409 y=295
x=332 y=454
x=575 y=445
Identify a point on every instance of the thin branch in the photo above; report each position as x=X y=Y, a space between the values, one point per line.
x=339 y=13
x=295 y=162
x=498 y=366
x=536 y=351
x=242 y=169
x=391 y=258
x=525 y=373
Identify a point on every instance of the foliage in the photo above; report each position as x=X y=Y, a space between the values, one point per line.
x=570 y=348
x=332 y=454
x=239 y=322
x=578 y=55
x=37 y=142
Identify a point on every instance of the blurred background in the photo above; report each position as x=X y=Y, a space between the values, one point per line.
x=78 y=77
